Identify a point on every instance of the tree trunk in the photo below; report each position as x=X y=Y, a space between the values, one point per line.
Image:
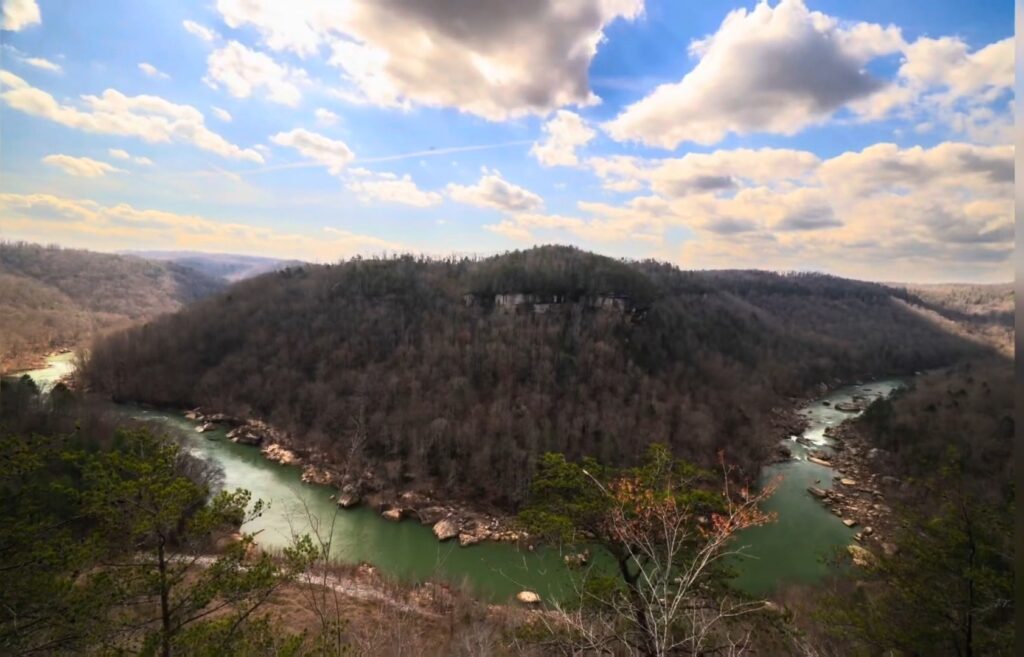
x=639 y=608
x=165 y=607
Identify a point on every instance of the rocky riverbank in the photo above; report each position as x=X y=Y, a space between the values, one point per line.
x=859 y=494
x=449 y=520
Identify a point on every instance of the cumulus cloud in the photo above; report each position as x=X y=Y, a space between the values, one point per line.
x=325 y=117
x=721 y=171
x=242 y=71
x=493 y=191
x=564 y=133
x=201 y=31
x=19 y=14
x=150 y=118
x=331 y=153
x=495 y=60
x=887 y=168
x=84 y=167
x=88 y=223
x=942 y=81
x=773 y=69
x=390 y=188
x=879 y=212
x=152 y=71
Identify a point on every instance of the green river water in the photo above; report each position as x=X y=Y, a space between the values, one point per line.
x=793 y=549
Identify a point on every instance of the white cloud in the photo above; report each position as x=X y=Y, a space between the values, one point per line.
x=221 y=114
x=152 y=71
x=941 y=81
x=93 y=225
x=495 y=60
x=44 y=64
x=389 y=188
x=493 y=191
x=886 y=168
x=325 y=117
x=331 y=153
x=19 y=14
x=884 y=212
x=121 y=154
x=201 y=31
x=242 y=71
x=718 y=172
x=771 y=69
x=564 y=133
x=83 y=167
x=149 y=118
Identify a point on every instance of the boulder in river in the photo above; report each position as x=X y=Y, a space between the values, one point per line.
x=846 y=481
x=348 y=500
x=431 y=514
x=528 y=597
x=283 y=455
x=393 y=513
x=577 y=560
x=446 y=529
x=817 y=492
x=473 y=536
x=849 y=522
x=815 y=459
x=860 y=556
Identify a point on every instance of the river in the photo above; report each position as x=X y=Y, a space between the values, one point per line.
x=793 y=549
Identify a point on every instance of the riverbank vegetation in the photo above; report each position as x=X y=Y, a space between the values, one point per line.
x=944 y=445
x=113 y=540
x=54 y=298
x=455 y=375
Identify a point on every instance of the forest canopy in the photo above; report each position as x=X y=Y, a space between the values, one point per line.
x=464 y=396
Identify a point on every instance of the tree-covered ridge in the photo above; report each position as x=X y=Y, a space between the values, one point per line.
x=53 y=297
x=561 y=272
x=463 y=399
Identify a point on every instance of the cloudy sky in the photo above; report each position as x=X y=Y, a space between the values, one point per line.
x=870 y=139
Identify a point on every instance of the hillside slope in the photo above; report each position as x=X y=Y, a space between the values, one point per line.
x=456 y=374
x=52 y=297
x=226 y=266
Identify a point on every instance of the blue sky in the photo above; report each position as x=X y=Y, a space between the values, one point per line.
x=869 y=139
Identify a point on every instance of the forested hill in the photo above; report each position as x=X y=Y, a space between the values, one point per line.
x=460 y=372
x=52 y=297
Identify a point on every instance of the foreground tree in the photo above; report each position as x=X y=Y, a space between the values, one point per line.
x=669 y=531
x=948 y=590
x=107 y=544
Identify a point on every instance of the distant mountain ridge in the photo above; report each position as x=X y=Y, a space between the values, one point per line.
x=227 y=266
x=454 y=375
x=52 y=297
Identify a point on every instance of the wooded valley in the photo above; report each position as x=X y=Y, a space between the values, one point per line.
x=457 y=374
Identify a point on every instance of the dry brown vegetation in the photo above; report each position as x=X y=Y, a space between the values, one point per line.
x=57 y=298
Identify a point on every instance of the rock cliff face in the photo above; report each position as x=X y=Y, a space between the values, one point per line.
x=540 y=304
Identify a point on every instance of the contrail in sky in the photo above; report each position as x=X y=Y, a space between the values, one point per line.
x=391 y=158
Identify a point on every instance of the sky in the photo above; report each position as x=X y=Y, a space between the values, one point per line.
x=869 y=139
